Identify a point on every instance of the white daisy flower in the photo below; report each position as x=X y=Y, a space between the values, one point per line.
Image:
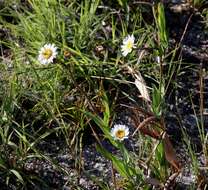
x=120 y=132
x=128 y=45
x=47 y=53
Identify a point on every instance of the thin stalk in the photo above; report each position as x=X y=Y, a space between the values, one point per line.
x=113 y=176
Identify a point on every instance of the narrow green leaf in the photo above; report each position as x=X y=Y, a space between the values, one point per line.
x=17 y=174
x=117 y=163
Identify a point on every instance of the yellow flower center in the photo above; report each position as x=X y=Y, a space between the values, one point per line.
x=120 y=134
x=47 y=53
x=129 y=45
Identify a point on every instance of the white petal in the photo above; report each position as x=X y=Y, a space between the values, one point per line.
x=125 y=53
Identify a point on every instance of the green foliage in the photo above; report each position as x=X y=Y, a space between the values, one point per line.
x=158 y=100
x=122 y=2
x=161 y=26
x=198 y=3
x=83 y=28
x=86 y=82
x=160 y=166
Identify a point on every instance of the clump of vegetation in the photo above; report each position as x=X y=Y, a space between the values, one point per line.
x=66 y=69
